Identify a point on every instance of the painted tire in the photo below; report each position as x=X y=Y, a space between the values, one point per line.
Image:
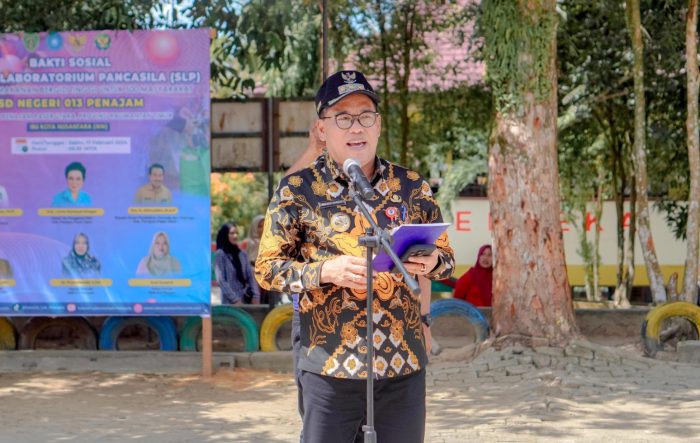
x=226 y=315
x=651 y=328
x=8 y=338
x=163 y=326
x=272 y=324
x=454 y=306
x=79 y=327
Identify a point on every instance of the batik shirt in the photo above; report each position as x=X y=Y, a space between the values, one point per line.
x=312 y=218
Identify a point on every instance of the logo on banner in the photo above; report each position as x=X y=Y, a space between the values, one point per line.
x=103 y=42
x=31 y=41
x=54 y=41
x=77 y=42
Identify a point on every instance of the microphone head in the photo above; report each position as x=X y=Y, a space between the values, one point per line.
x=348 y=163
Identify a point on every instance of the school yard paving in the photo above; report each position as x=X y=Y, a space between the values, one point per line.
x=583 y=393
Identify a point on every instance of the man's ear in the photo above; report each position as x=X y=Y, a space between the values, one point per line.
x=321 y=129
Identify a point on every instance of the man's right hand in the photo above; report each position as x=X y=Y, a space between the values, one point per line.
x=345 y=271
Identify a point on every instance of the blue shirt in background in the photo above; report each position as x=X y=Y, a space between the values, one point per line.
x=65 y=198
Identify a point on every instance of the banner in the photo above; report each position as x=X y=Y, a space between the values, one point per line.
x=104 y=173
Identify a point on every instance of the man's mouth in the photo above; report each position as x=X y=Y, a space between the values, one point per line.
x=356 y=144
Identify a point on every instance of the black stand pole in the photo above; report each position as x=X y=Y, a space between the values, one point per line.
x=374 y=238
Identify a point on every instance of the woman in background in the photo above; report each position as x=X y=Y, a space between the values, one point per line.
x=232 y=268
x=475 y=285
x=79 y=263
x=159 y=262
x=252 y=242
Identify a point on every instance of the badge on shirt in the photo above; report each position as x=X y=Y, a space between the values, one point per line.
x=340 y=222
x=396 y=198
x=392 y=214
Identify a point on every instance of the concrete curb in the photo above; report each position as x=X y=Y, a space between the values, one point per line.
x=146 y=362
x=155 y=362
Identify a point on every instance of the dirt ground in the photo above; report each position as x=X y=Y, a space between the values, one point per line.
x=260 y=406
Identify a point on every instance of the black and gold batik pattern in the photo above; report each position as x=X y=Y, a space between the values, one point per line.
x=312 y=218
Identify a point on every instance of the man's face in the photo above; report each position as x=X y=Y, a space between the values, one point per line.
x=156 y=177
x=74 y=181
x=356 y=142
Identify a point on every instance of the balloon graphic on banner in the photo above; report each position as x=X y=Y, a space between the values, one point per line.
x=162 y=48
x=10 y=63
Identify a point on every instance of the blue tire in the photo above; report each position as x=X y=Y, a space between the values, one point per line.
x=163 y=326
x=455 y=306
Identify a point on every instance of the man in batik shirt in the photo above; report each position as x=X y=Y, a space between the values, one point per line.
x=310 y=246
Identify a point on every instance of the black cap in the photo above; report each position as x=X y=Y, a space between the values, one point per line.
x=340 y=85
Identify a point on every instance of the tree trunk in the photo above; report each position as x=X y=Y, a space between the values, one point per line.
x=598 y=211
x=531 y=291
x=405 y=75
x=646 y=240
x=631 y=235
x=690 y=280
x=585 y=252
x=386 y=121
x=619 y=184
x=621 y=295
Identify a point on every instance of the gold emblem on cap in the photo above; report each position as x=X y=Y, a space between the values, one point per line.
x=340 y=222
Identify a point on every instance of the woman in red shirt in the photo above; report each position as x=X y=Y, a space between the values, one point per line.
x=475 y=285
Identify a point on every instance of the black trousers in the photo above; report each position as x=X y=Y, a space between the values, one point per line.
x=334 y=409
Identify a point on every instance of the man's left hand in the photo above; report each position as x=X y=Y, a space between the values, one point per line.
x=420 y=265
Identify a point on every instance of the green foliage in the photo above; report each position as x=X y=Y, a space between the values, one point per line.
x=516 y=49
x=472 y=163
x=260 y=42
x=236 y=197
x=69 y=15
x=388 y=40
x=595 y=83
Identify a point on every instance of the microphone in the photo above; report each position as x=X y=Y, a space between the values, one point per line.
x=352 y=169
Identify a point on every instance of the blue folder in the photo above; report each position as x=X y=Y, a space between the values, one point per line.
x=404 y=237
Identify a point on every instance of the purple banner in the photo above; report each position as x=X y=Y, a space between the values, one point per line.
x=104 y=173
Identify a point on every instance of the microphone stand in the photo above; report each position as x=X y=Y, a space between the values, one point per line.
x=375 y=238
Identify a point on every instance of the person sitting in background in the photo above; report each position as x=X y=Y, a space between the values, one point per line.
x=475 y=285
x=154 y=191
x=79 y=263
x=233 y=271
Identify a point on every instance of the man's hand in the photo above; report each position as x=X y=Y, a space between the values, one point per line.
x=421 y=265
x=345 y=271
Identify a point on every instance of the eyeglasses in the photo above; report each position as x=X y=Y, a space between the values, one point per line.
x=345 y=121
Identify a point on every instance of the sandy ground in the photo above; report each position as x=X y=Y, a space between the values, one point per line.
x=468 y=400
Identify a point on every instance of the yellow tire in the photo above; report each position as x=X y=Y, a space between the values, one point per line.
x=272 y=324
x=651 y=328
x=8 y=339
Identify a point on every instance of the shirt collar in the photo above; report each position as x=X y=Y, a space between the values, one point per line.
x=337 y=173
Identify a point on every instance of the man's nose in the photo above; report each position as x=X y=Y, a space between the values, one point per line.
x=356 y=126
